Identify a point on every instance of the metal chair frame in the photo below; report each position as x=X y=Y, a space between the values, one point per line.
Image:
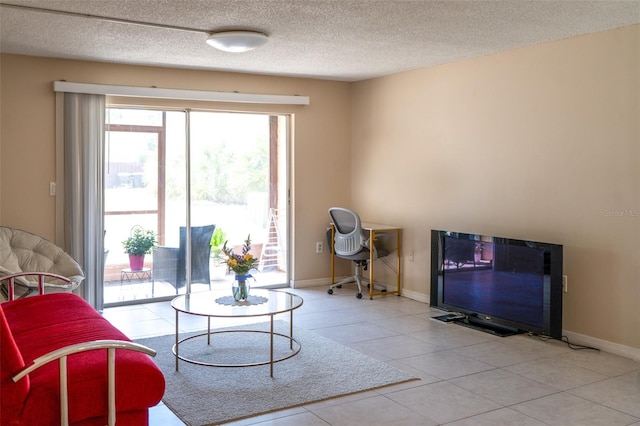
x=61 y=356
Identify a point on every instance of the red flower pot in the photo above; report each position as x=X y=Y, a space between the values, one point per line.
x=136 y=262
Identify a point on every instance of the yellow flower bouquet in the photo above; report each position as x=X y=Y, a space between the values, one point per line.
x=242 y=263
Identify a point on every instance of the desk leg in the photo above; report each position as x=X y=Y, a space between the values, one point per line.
x=372 y=292
x=399 y=244
x=333 y=232
x=372 y=239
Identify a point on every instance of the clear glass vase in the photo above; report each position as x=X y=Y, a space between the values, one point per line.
x=241 y=287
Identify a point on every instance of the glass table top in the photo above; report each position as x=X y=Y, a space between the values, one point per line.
x=220 y=303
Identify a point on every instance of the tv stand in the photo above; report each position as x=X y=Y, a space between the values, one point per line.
x=478 y=324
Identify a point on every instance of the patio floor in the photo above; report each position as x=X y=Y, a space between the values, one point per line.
x=144 y=289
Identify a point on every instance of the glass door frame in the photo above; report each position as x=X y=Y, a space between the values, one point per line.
x=280 y=126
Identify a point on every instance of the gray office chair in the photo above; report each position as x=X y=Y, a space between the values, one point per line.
x=350 y=242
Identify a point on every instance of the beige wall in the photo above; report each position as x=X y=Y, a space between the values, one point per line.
x=27 y=140
x=541 y=143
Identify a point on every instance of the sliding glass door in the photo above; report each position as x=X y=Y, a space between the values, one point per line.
x=197 y=179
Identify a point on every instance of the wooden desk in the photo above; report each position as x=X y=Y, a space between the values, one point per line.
x=373 y=229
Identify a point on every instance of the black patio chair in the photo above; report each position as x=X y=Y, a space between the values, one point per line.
x=169 y=263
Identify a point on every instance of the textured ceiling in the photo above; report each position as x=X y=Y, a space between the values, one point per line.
x=346 y=40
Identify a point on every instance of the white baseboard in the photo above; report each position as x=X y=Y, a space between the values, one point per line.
x=420 y=297
x=603 y=345
x=310 y=283
x=414 y=295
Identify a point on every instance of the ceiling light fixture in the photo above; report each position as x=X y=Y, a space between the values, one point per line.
x=237 y=41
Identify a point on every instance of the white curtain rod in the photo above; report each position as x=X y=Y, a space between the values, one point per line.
x=194 y=95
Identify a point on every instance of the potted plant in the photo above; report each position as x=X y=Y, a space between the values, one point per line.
x=139 y=243
x=218 y=258
x=217 y=241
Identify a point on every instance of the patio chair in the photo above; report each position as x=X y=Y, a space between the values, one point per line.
x=169 y=263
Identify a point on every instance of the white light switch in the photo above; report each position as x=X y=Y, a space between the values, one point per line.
x=52 y=189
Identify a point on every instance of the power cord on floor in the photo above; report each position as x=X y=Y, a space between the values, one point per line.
x=577 y=347
x=565 y=339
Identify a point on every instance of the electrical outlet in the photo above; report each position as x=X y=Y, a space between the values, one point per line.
x=565 y=283
x=319 y=247
x=411 y=256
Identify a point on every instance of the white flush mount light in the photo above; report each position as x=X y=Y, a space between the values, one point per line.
x=237 y=41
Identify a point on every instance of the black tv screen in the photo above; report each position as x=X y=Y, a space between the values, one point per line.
x=498 y=283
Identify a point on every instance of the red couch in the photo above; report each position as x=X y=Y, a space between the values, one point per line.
x=34 y=326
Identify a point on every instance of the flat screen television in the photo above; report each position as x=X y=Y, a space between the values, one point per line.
x=501 y=285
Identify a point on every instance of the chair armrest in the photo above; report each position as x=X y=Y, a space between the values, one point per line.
x=62 y=354
x=72 y=285
x=82 y=347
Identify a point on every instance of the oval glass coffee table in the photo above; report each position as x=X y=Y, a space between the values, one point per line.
x=220 y=304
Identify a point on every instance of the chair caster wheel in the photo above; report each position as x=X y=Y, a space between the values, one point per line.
x=339 y=286
x=330 y=291
x=359 y=295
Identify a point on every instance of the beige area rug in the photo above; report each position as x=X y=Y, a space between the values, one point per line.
x=201 y=395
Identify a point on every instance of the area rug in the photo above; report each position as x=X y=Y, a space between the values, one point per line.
x=323 y=369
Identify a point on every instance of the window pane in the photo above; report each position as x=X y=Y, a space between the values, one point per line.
x=230 y=173
x=131 y=171
x=138 y=117
x=234 y=184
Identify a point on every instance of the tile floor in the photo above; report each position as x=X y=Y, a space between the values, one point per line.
x=467 y=377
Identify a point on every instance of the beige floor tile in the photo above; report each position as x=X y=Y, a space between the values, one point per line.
x=302 y=419
x=621 y=393
x=394 y=347
x=452 y=336
x=498 y=354
x=502 y=417
x=377 y=410
x=503 y=387
x=466 y=377
x=557 y=373
x=407 y=323
x=563 y=409
x=602 y=362
x=446 y=364
x=354 y=333
x=290 y=415
x=443 y=402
